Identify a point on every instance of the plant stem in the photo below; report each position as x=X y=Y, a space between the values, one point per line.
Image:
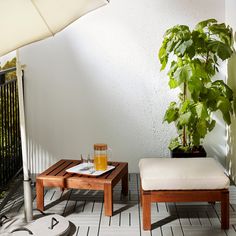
x=207 y=56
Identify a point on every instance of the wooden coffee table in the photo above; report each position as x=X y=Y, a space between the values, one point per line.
x=56 y=176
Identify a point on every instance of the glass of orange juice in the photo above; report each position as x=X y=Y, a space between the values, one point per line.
x=100 y=156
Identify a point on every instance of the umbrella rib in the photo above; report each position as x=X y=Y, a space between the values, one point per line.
x=45 y=22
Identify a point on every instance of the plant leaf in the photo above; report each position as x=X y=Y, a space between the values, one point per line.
x=224 y=106
x=185 y=118
x=173 y=83
x=201 y=110
x=196 y=138
x=202 y=128
x=174 y=143
x=172 y=113
x=211 y=125
x=204 y=23
x=223 y=51
x=185 y=106
x=223 y=32
x=224 y=89
x=163 y=57
x=183 y=74
x=182 y=48
x=195 y=86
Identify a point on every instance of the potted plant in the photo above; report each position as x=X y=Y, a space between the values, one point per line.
x=193 y=58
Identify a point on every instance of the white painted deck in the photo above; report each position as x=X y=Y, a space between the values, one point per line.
x=86 y=212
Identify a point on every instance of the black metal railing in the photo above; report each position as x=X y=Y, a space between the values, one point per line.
x=10 y=142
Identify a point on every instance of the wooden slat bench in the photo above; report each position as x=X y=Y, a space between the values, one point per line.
x=183 y=180
x=56 y=176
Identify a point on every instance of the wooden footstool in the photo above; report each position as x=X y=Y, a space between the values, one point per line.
x=56 y=176
x=183 y=180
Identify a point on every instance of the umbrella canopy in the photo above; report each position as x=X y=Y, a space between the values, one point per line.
x=26 y=21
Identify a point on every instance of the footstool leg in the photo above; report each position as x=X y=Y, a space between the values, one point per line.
x=146 y=198
x=40 y=194
x=141 y=194
x=125 y=184
x=108 y=199
x=225 y=209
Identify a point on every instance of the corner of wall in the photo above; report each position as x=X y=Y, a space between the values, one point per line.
x=230 y=18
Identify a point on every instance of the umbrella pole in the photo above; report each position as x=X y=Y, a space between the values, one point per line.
x=27 y=181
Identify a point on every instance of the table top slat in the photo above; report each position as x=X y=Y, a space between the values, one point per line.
x=117 y=170
x=53 y=167
x=60 y=168
x=64 y=173
x=106 y=175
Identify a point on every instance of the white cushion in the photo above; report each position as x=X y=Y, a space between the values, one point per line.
x=182 y=174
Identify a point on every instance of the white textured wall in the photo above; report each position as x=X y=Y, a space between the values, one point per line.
x=230 y=7
x=99 y=81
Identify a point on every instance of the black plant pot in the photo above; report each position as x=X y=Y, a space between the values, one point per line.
x=195 y=152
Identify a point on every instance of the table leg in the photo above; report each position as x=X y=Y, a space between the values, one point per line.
x=40 y=194
x=108 y=199
x=125 y=184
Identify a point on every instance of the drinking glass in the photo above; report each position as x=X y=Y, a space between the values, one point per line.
x=85 y=161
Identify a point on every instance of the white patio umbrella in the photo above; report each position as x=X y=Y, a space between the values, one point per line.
x=23 y=22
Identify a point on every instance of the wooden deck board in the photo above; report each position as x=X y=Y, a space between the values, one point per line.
x=85 y=209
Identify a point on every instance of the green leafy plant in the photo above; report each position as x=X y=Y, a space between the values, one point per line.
x=193 y=58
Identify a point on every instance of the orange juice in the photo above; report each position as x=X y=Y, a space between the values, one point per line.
x=100 y=162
